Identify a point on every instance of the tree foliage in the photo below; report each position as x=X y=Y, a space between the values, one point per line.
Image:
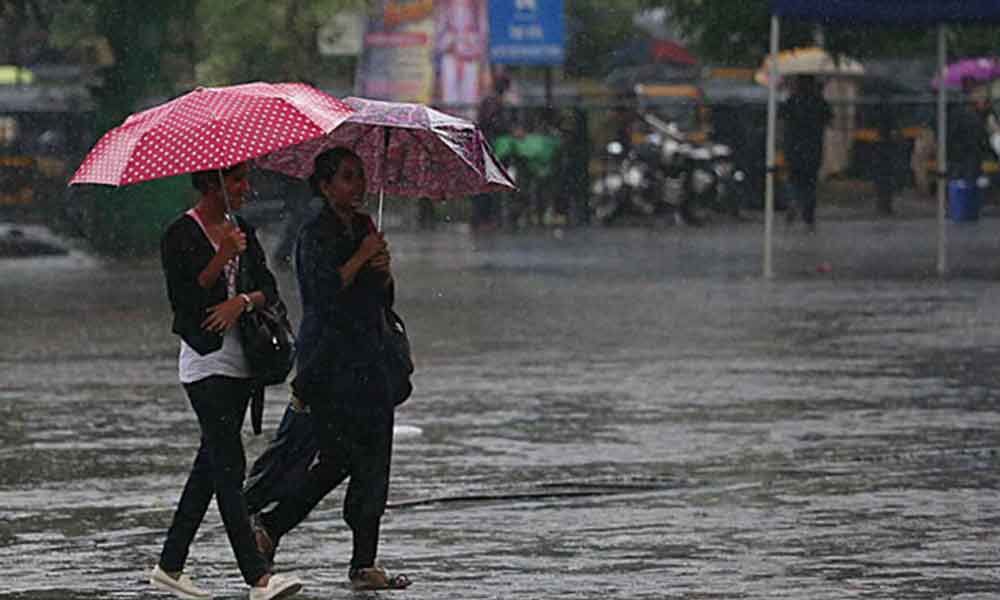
x=161 y=49
x=267 y=39
x=595 y=29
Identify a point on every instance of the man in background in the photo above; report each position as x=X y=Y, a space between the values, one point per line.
x=806 y=116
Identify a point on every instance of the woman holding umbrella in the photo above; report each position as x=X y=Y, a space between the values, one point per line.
x=211 y=133
x=201 y=253
x=346 y=285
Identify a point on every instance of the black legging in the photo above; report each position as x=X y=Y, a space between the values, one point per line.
x=219 y=467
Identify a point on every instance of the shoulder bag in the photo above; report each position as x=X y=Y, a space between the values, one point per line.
x=396 y=358
x=268 y=342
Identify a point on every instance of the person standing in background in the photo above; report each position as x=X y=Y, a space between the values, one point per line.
x=968 y=136
x=888 y=151
x=493 y=119
x=806 y=115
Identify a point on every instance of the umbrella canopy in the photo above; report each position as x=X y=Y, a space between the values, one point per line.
x=809 y=61
x=976 y=70
x=644 y=49
x=210 y=128
x=408 y=150
x=625 y=79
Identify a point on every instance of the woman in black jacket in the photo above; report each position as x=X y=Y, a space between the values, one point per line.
x=201 y=252
x=346 y=284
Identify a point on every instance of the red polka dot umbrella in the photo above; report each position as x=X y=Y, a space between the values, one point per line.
x=210 y=128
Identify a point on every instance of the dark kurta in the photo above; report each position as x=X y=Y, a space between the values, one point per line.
x=351 y=415
x=341 y=326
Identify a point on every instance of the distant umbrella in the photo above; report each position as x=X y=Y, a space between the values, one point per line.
x=809 y=61
x=976 y=70
x=644 y=50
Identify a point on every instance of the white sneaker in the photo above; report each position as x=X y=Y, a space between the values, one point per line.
x=279 y=586
x=182 y=587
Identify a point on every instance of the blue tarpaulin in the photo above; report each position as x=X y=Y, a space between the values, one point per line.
x=903 y=12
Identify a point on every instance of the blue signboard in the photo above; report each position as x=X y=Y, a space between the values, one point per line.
x=527 y=32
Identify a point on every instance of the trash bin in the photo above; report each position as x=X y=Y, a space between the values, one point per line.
x=963 y=201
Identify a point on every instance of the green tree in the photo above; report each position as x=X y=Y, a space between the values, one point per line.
x=272 y=40
x=150 y=55
x=595 y=29
x=137 y=33
x=20 y=21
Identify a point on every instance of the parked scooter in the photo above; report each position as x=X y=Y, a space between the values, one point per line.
x=630 y=185
x=666 y=173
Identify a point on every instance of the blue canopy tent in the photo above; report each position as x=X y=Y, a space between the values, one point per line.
x=868 y=12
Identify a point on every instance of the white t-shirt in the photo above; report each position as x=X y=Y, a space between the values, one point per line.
x=229 y=360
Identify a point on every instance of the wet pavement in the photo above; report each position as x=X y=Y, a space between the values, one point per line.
x=624 y=413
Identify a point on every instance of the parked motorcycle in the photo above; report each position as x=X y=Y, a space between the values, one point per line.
x=666 y=173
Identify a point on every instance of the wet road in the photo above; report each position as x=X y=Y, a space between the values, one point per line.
x=627 y=414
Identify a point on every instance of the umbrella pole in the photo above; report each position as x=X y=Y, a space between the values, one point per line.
x=225 y=197
x=381 y=198
x=382 y=177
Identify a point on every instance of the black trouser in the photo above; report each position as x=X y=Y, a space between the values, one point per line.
x=803 y=184
x=219 y=467
x=350 y=445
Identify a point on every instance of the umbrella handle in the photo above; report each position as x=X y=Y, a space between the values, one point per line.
x=381 y=187
x=381 y=197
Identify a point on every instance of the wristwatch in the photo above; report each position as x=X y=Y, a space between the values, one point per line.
x=248 y=303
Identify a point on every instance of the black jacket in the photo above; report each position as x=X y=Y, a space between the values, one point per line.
x=185 y=251
x=968 y=142
x=806 y=117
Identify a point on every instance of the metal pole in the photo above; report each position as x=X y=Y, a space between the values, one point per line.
x=942 y=153
x=772 y=117
x=548 y=87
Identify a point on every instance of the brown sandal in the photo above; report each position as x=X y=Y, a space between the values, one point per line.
x=375 y=578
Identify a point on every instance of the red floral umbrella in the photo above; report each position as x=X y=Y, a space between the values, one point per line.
x=210 y=128
x=408 y=150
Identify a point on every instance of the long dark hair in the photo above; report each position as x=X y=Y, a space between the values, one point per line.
x=325 y=167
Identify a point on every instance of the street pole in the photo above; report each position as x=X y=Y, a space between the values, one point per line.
x=942 y=153
x=772 y=117
x=548 y=87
